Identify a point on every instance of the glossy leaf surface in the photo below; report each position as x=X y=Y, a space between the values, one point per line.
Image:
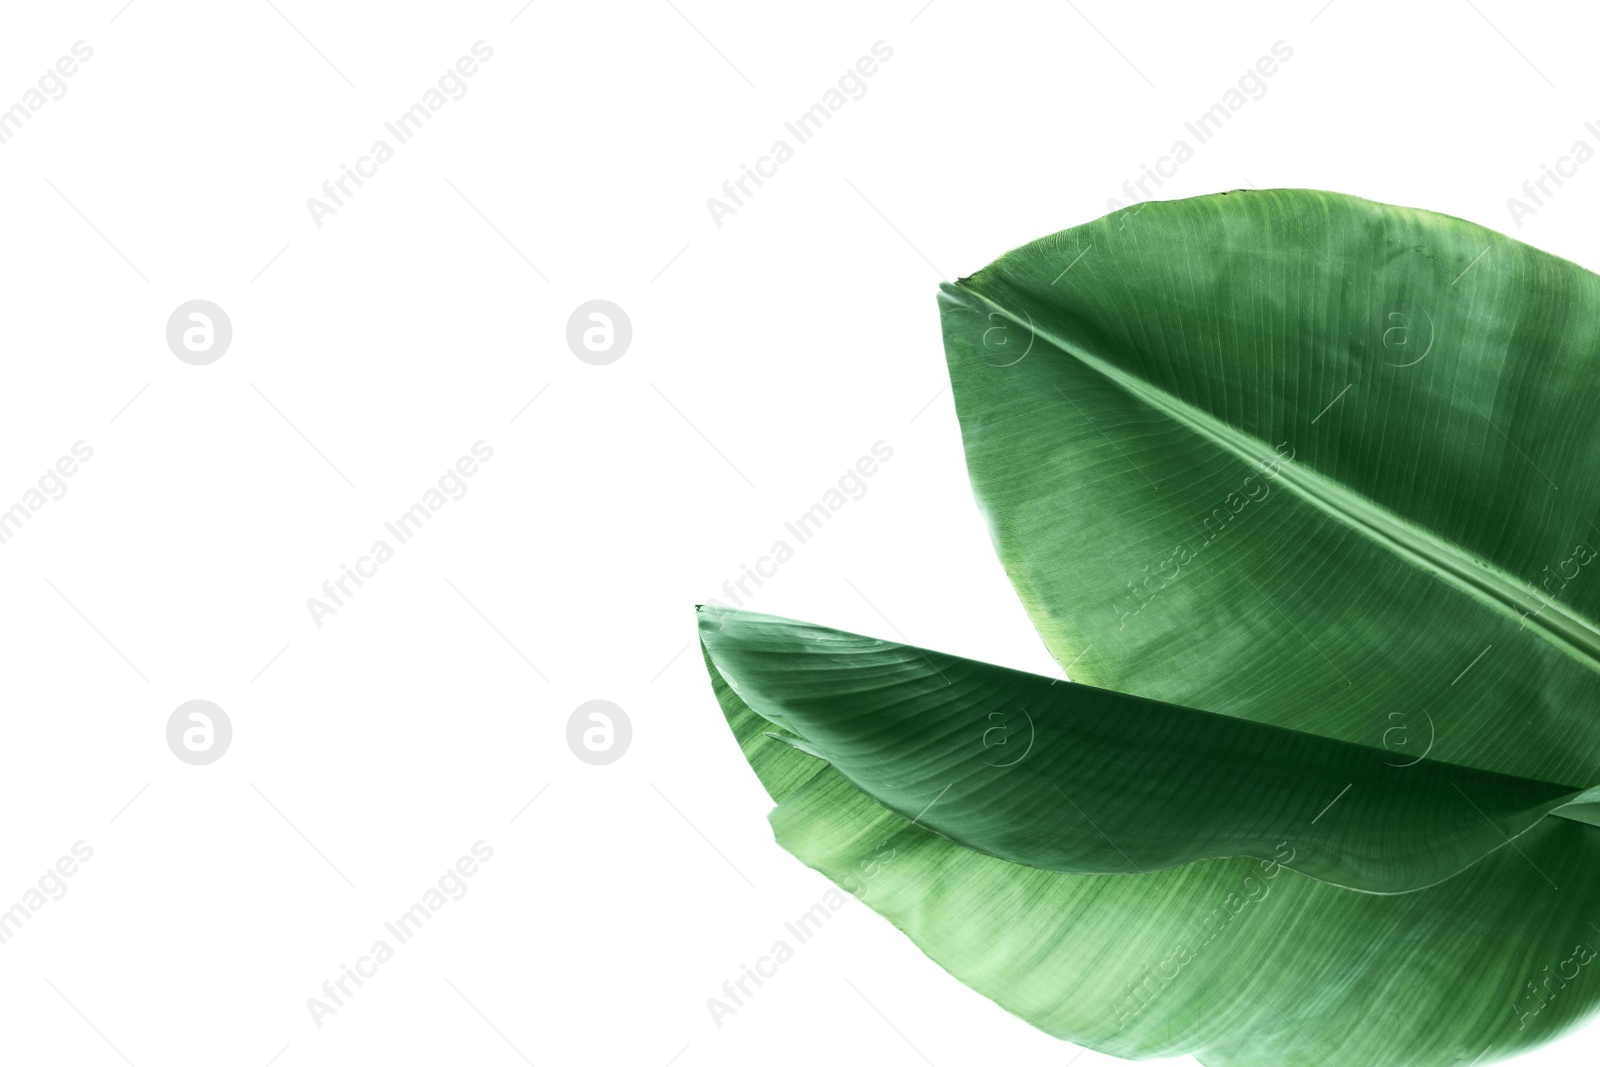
x=1301 y=458
x=1062 y=776
x=1238 y=962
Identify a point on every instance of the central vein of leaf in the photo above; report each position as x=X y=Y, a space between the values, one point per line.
x=1567 y=630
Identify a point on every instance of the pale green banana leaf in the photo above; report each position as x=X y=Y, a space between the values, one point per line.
x=1304 y=459
x=1065 y=777
x=1238 y=962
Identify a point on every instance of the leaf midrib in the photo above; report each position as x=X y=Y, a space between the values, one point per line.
x=1574 y=634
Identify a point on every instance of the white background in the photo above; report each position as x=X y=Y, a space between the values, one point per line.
x=768 y=354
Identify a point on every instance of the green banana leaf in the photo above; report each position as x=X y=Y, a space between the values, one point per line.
x=1303 y=487
x=1066 y=777
x=1305 y=459
x=1239 y=962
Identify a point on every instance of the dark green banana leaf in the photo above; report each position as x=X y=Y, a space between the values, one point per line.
x=1239 y=962
x=1301 y=458
x=1065 y=777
